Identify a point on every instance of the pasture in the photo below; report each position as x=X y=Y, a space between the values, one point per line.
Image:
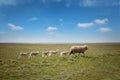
x=102 y=62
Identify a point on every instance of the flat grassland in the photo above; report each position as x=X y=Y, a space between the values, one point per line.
x=102 y=62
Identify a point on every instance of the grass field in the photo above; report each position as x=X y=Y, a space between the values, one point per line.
x=102 y=62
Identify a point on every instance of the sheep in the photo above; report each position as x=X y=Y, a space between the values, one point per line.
x=23 y=54
x=34 y=54
x=45 y=53
x=64 y=53
x=78 y=49
x=51 y=53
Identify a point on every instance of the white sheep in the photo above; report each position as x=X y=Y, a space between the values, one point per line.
x=45 y=53
x=23 y=54
x=52 y=53
x=64 y=53
x=34 y=53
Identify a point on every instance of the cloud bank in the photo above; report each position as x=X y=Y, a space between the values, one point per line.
x=101 y=21
x=105 y=29
x=33 y=19
x=50 y=28
x=85 y=25
x=14 y=27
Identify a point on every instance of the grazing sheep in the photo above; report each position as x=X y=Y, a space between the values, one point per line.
x=34 y=53
x=51 y=53
x=23 y=54
x=45 y=53
x=64 y=53
x=78 y=49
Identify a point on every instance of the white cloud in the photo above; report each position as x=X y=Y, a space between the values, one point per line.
x=33 y=19
x=52 y=31
x=85 y=25
x=8 y=2
x=101 y=21
x=91 y=3
x=50 y=28
x=14 y=2
x=87 y=3
x=14 y=27
x=105 y=29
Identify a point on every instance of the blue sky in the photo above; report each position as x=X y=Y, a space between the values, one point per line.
x=59 y=21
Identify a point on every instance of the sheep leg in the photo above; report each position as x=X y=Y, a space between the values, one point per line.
x=83 y=54
x=43 y=55
x=71 y=52
x=30 y=56
x=79 y=53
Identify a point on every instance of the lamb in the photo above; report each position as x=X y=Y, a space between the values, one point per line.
x=78 y=49
x=64 y=53
x=45 y=53
x=23 y=54
x=51 y=53
x=34 y=53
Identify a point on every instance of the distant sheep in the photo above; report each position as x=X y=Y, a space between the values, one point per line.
x=34 y=53
x=23 y=54
x=45 y=53
x=64 y=53
x=78 y=49
x=51 y=53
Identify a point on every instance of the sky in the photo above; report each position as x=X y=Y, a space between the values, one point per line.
x=59 y=21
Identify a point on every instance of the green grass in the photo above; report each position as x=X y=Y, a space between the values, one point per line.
x=102 y=62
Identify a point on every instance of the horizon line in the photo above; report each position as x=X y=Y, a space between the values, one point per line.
x=54 y=42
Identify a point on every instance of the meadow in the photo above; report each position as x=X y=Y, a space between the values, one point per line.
x=101 y=62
